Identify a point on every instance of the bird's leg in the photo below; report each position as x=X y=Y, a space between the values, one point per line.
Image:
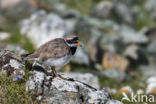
x=54 y=71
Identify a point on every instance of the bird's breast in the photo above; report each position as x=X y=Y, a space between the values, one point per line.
x=59 y=62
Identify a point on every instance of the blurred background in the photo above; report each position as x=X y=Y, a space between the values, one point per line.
x=118 y=36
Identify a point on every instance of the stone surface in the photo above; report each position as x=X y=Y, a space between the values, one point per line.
x=114 y=73
x=81 y=57
x=12 y=9
x=113 y=60
x=65 y=91
x=15 y=48
x=42 y=27
x=151 y=88
x=122 y=13
x=136 y=55
x=52 y=90
x=150 y=5
x=103 y=9
x=87 y=78
x=151 y=85
x=148 y=71
x=131 y=51
x=10 y=64
x=152 y=48
x=128 y=35
x=4 y=35
x=127 y=89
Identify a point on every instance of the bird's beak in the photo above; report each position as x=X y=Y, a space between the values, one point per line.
x=79 y=44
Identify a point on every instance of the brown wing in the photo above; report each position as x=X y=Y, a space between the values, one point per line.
x=53 y=49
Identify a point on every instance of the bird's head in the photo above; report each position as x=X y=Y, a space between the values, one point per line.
x=73 y=41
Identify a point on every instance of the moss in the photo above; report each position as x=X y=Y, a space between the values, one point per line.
x=17 y=38
x=12 y=92
x=84 y=6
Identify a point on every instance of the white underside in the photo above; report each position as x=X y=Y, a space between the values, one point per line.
x=58 y=63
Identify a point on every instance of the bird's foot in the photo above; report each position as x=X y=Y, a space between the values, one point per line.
x=61 y=77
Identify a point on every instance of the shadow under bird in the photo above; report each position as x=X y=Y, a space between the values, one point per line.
x=56 y=53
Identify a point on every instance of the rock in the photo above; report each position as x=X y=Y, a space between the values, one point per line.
x=64 y=91
x=126 y=89
x=42 y=27
x=122 y=13
x=9 y=3
x=151 y=85
x=140 y=91
x=48 y=89
x=10 y=64
x=152 y=48
x=105 y=24
x=12 y=9
x=4 y=35
x=151 y=88
x=82 y=27
x=110 y=43
x=3 y=22
x=81 y=57
x=87 y=78
x=131 y=51
x=70 y=24
x=151 y=34
x=114 y=102
x=113 y=60
x=150 y=5
x=16 y=49
x=148 y=71
x=135 y=55
x=112 y=90
x=93 y=49
x=103 y=9
x=95 y=52
x=151 y=79
x=114 y=73
x=128 y=35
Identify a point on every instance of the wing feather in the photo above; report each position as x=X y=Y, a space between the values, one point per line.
x=53 y=49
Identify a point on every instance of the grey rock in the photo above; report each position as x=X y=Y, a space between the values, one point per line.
x=52 y=90
x=16 y=49
x=114 y=73
x=114 y=102
x=12 y=12
x=128 y=35
x=4 y=36
x=131 y=51
x=70 y=24
x=81 y=57
x=152 y=48
x=107 y=23
x=123 y=13
x=103 y=9
x=64 y=91
x=10 y=64
x=108 y=43
x=87 y=78
x=42 y=27
x=150 y=5
x=148 y=71
x=136 y=55
x=2 y=21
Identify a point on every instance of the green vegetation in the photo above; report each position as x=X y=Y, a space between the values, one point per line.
x=14 y=92
x=17 y=38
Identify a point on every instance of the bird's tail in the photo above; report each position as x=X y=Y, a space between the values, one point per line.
x=24 y=56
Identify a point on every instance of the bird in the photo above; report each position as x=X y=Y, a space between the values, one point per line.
x=56 y=53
